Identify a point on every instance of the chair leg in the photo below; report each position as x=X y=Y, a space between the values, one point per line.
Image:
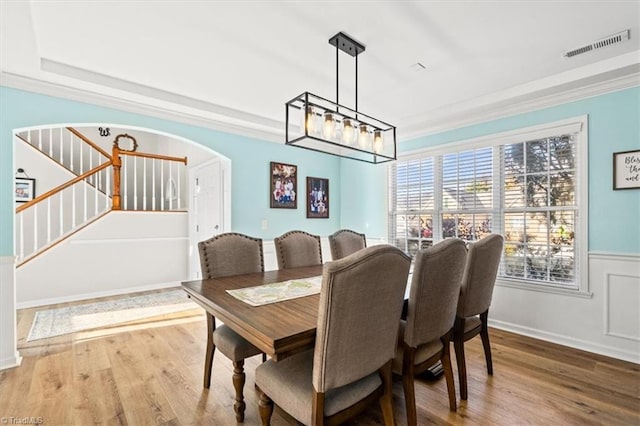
x=484 y=335
x=265 y=406
x=211 y=348
x=458 y=345
x=386 y=400
x=409 y=385
x=238 y=384
x=448 y=374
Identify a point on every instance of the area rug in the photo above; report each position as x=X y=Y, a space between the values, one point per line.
x=71 y=319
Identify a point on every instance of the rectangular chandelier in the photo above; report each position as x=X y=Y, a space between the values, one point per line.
x=318 y=124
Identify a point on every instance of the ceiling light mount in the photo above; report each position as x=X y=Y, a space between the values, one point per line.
x=319 y=124
x=346 y=44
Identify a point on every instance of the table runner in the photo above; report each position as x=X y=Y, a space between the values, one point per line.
x=277 y=292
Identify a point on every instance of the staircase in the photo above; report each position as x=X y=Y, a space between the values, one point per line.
x=98 y=182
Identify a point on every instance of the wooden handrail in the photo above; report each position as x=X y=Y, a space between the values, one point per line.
x=155 y=156
x=86 y=140
x=63 y=186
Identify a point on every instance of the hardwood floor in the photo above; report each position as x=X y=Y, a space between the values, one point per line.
x=150 y=373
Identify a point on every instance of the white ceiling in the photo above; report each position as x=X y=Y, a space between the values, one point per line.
x=238 y=62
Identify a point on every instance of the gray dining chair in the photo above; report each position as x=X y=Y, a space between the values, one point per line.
x=296 y=249
x=426 y=334
x=220 y=256
x=345 y=242
x=350 y=365
x=481 y=269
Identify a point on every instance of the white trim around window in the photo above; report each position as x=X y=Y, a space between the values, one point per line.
x=577 y=127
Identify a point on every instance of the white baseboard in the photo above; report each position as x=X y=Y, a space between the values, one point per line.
x=84 y=296
x=567 y=341
x=11 y=362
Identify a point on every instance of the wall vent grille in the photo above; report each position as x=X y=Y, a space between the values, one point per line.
x=599 y=44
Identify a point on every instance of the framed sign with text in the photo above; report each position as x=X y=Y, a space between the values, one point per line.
x=626 y=170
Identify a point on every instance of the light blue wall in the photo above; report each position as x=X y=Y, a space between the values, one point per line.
x=359 y=190
x=250 y=163
x=364 y=197
x=614 y=125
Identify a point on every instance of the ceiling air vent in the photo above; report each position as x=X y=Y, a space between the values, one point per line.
x=598 y=44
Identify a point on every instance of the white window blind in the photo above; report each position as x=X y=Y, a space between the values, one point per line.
x=527 y=190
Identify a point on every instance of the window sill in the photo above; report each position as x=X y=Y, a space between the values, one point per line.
x=543 y=288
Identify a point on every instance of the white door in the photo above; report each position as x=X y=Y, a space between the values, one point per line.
x=206 y=209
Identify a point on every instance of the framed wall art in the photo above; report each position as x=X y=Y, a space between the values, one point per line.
x=626 y=170
x=317 y=198
x=284 y=186
x=25 y=189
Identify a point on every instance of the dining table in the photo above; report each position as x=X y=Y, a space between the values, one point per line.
x=278 y=329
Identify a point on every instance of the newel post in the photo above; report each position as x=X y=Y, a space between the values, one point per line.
x=117 y=165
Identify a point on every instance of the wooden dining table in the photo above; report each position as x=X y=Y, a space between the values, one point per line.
x=278 y=329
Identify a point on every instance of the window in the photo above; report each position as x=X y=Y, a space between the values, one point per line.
x=528 y=185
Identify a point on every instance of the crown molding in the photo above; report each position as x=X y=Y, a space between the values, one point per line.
x=222 y=123
x=226 y=120
x=535 y=100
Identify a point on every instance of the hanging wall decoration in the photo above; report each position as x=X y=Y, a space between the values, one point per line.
x=626 y=170
x=284 y=186
x=317 y=198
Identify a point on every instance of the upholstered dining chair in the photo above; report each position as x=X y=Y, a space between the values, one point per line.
x=220 y=256
x=344 y=242
x=296 y=249
x=426 y=334
x=350 y=366
x=483 y=260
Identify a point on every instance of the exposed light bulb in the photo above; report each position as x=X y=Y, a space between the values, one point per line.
x=378 y=142
x=363 y=137
x=329 y=128
x=347 y=131
x=309 y=122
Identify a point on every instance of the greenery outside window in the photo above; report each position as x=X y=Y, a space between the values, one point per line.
x=528 y=185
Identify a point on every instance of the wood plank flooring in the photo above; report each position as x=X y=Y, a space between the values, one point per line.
x=150 y=373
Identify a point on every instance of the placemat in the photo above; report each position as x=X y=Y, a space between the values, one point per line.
x=277 y=292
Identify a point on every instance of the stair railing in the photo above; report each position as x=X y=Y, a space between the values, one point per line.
x=143 y=181
x=56 y=214
x=136 y=181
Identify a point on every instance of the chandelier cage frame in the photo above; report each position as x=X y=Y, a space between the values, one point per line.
x=319 y=124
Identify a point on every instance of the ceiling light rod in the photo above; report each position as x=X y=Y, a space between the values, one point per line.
x=351 y=47
x=318 y=124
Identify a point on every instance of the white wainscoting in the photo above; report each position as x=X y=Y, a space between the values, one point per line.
x=607 y=323
x=9 y=356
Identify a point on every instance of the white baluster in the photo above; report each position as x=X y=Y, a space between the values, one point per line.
x=170 y=186
x=85 y=202
x=71 y=152
x=61 y=144
x=107 y=193
x=144 y=183
x=135 y=183
x=50 y=142
x=180 y=169
x=40 y=139
x=81 y=146
x=124 y=178
x=96 y=192
x=161 y=184
x=153 y=184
